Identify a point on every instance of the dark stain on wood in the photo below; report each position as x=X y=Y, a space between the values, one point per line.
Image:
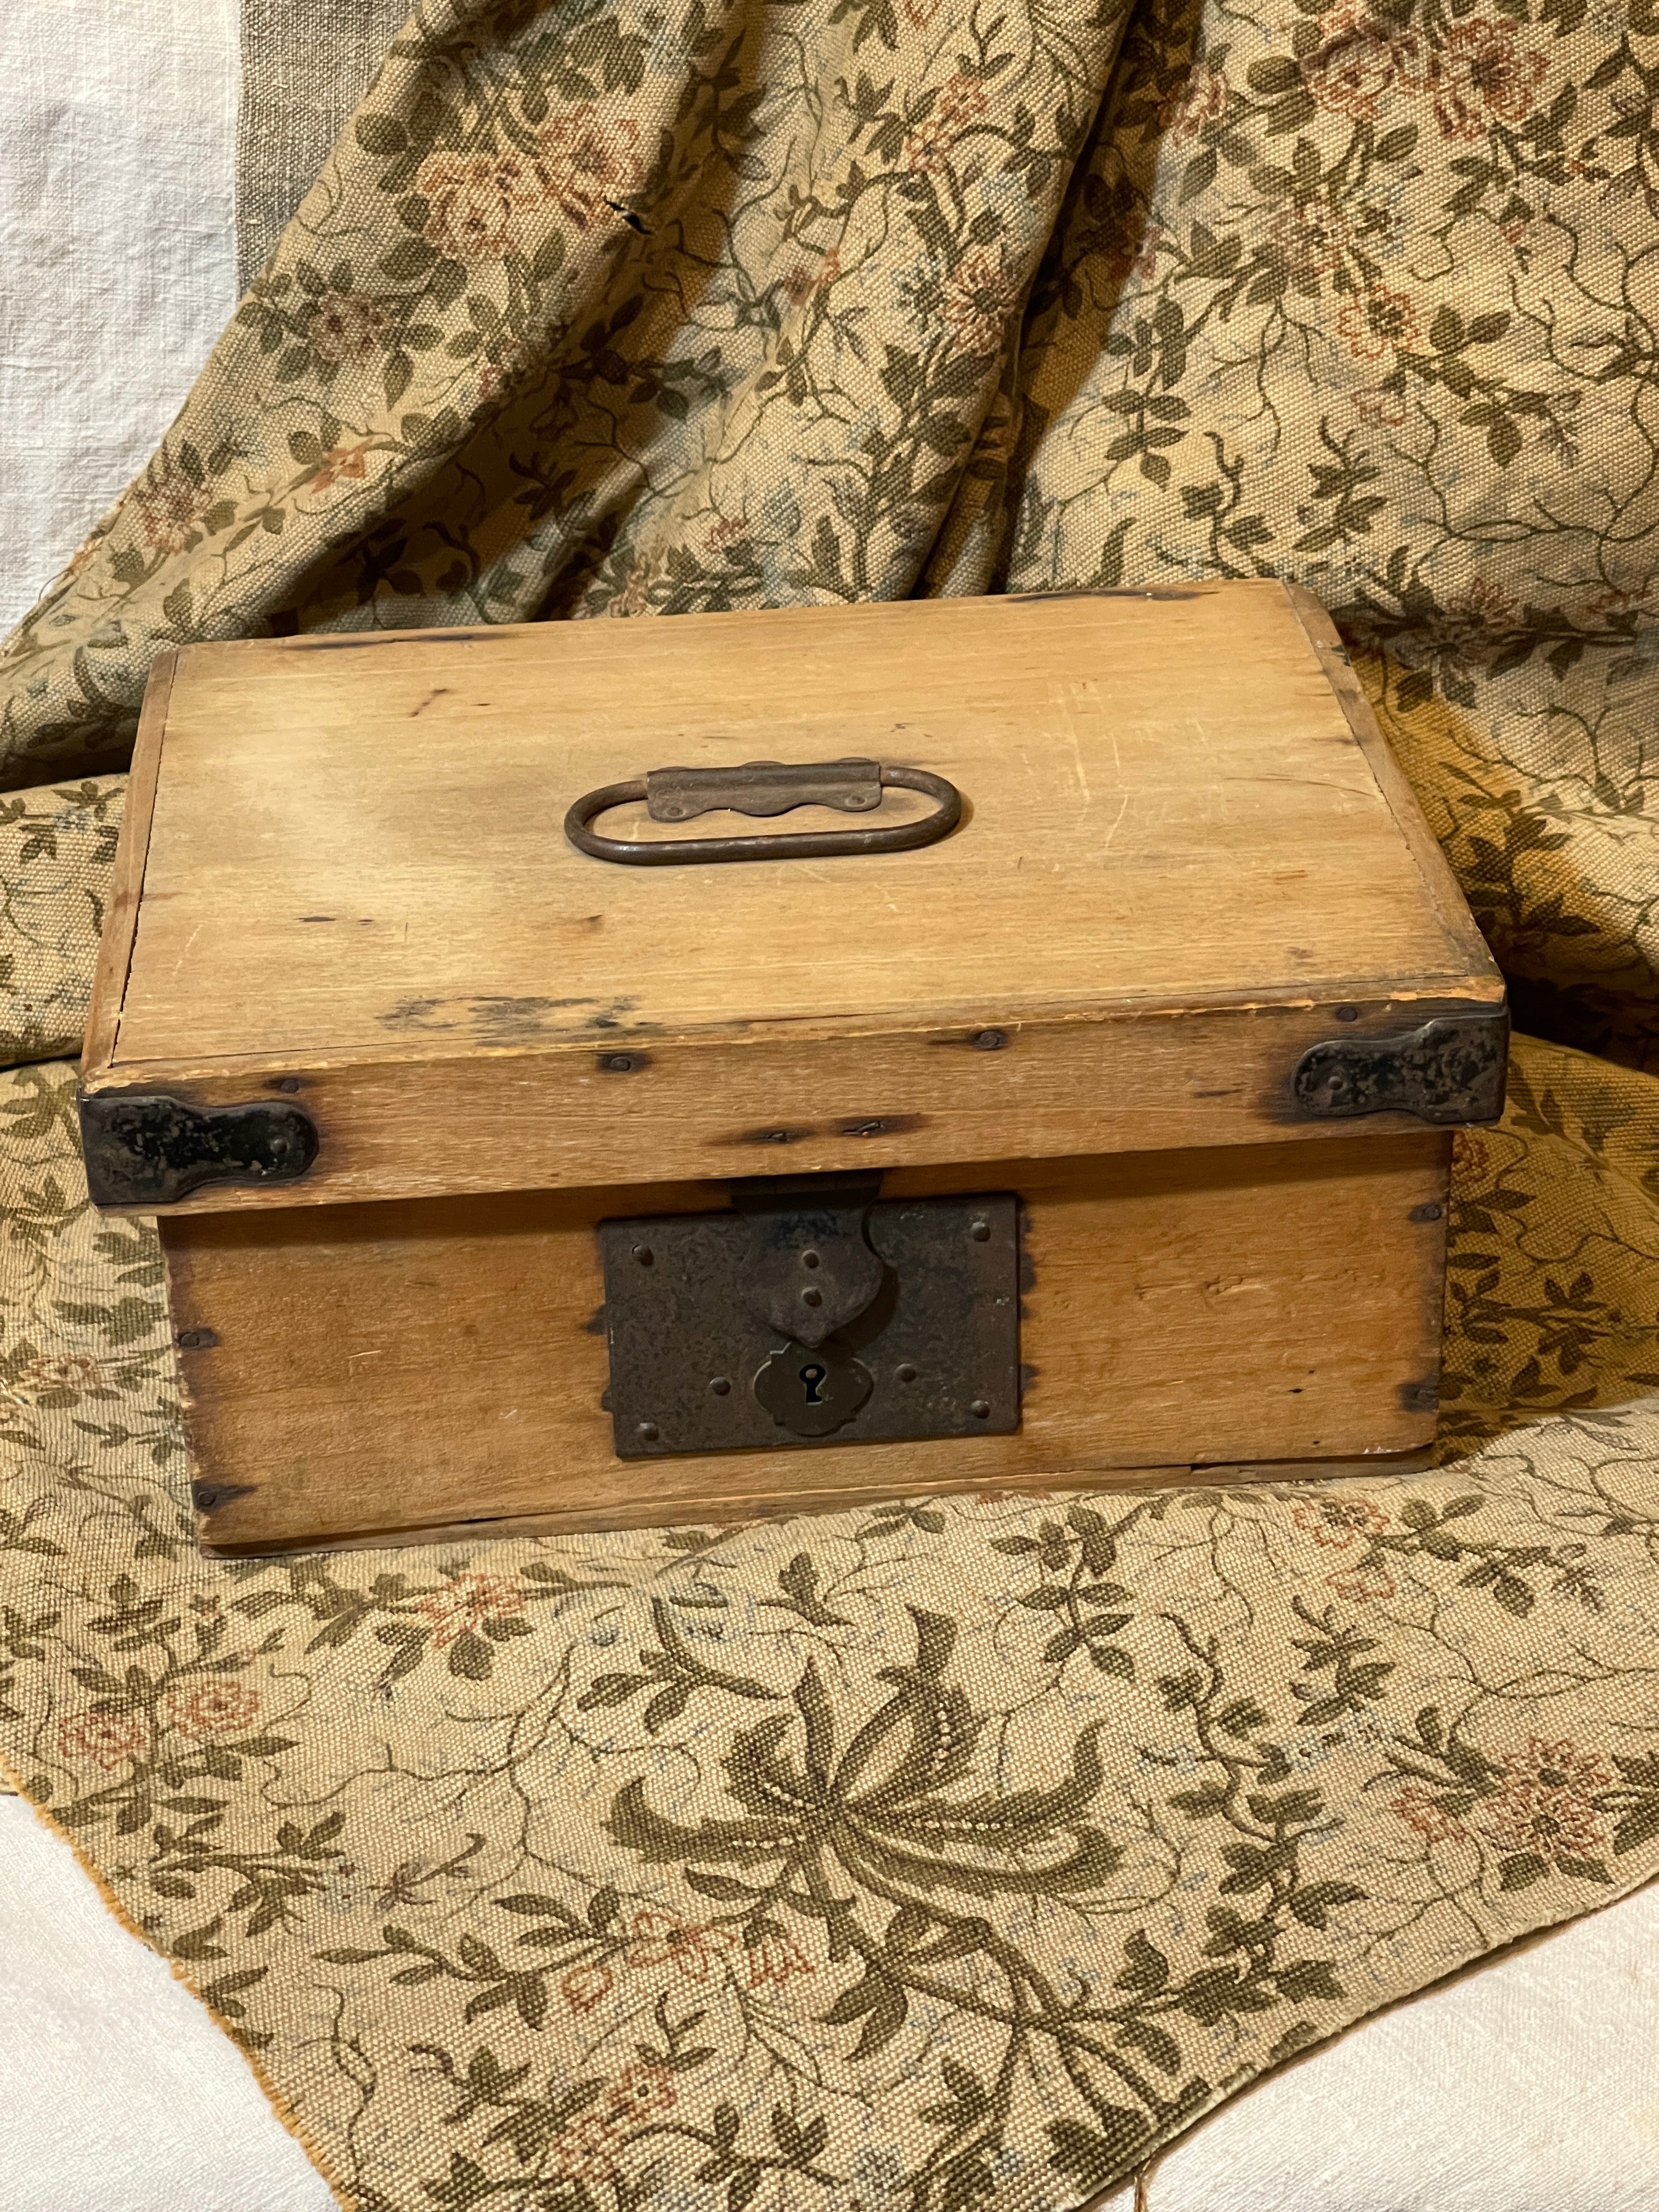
x=506 y=1020
x=210 y=1497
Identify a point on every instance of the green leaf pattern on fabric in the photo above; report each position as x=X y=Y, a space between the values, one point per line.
x=951 y=1853
x=57 y=847
x=943 y=1856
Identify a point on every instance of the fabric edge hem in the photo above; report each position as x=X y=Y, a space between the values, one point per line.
x=11 y=1780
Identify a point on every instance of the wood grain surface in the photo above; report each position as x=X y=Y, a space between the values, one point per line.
x=575 y=1116
x=390 y=1368
x=1180 y=853
x=109 y=979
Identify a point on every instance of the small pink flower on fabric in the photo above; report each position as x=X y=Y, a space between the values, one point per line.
x=1339 y=1523
x=109 y=1740
x=215 y=1707
x=1417 y=1809
x=773 y=1960
x=465 y=1602
x=1482 y=77
x=1378 y=323
x=660 y=1940
x=1360 y=62
x=584 y=1987
x=1547 y=1802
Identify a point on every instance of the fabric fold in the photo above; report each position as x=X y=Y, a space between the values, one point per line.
x=56 y=853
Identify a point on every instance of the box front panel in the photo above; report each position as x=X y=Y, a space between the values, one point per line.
x=421 y=1365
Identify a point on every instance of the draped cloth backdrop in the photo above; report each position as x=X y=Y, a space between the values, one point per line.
x=958 y=1855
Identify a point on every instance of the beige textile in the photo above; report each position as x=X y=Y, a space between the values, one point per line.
x=958 y=1854
x=117 y=2094
x=306 y=65
x=115 y=253
x=942 y=1853
x=55 y=849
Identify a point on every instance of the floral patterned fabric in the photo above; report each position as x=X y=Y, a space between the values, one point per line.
x=959 y=1854
x=941 y=1856
x=57 y=847
x=1552 y=1267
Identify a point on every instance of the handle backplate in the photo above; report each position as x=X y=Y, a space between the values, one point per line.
x=765 y=788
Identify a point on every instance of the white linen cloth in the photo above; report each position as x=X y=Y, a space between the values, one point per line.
x=117 y=2094
x=1529 y=2086
x=118 y=139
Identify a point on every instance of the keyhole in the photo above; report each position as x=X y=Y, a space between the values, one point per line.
x=811 y=1375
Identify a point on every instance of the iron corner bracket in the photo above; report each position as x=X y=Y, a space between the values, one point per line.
x=1450 y=1070
x=145 y=1149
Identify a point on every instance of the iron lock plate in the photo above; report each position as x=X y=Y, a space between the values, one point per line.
x=813 y=1323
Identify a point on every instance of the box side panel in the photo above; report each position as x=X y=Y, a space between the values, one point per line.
x=391 y=1368
x=1441 y=887
x=115 y=946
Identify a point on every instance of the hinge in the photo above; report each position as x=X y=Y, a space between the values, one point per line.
x=1450 y=1070
x=145 y=1149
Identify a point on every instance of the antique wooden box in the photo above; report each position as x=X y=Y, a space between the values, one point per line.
x=1063 y=1085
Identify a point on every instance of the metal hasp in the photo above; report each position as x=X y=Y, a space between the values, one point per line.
x=153 y=1151
x=1451 y=1070
x=761 y=787
x=812 y=1314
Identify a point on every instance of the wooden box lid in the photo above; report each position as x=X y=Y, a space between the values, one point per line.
x=1187 y=858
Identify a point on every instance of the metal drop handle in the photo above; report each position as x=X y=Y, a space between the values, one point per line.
x=761 y=787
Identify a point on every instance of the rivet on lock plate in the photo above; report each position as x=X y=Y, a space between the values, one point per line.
x=813 y=1314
